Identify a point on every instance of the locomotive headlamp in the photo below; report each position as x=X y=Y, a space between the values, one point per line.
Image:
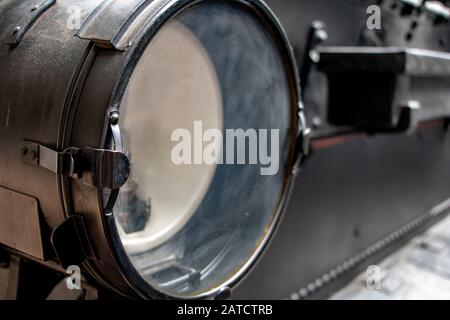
x=87 y=123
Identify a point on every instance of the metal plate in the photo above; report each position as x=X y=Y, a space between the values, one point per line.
x=19 y=214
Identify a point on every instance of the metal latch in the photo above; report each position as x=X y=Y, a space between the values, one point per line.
x=385 y=89
x=100 y=168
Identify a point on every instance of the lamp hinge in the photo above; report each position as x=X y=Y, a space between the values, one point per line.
x=100 y=168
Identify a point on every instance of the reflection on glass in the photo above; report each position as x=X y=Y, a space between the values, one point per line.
x=191 y=228
x=173 y=85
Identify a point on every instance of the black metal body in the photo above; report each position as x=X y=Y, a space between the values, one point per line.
x=47 y=72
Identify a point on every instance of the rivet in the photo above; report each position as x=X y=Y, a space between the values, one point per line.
x=303 y=293
x=311 y=287
x=114 y=117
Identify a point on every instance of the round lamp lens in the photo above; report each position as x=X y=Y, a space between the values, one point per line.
x=207 y=121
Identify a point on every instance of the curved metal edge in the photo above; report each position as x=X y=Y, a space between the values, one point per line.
x=18 y=32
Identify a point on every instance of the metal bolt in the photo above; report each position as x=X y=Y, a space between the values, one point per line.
x=317 y=122
x=333 y=274
x=311 y=287
x=346 y=266
x=114 y=117
x=303 y=293
x=352 y=262
x=325 y=278
x=295 y=296
x=339 y=270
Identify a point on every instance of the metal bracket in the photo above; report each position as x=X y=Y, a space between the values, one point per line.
x=316 y=36
x=392 y=89
x=99 y=168
x=114 y=24
x=71 y=242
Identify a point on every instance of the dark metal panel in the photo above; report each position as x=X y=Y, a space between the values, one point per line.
x=347 y=198
x=20 y=215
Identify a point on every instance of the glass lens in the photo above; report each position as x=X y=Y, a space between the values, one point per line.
x=208 y=123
